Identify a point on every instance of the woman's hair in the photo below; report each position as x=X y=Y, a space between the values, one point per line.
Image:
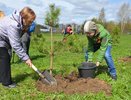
x=2 y=14
x=28 y=15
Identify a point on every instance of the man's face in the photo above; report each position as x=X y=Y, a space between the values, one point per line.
x=90 y=34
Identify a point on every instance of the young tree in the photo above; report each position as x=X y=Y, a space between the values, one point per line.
x=52 y=19
x=115 y=35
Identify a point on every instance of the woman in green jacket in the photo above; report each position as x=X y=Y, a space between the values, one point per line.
x=99 y=38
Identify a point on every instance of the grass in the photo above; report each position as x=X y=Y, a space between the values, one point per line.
x=66 y=61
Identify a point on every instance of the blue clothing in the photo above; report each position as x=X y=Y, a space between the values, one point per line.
x=31 y=28
x=108 y=59
x=10 y=31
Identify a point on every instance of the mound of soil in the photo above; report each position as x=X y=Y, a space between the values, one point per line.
x=72 y=84
x=126 y=59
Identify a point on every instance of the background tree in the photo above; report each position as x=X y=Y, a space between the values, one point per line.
x=52 y=19
x=110 y=26
x=127 y=28
x=101 y=18
x=82 y=27
x=123 y=14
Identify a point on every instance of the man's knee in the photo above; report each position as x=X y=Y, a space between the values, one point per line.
x=107 y=55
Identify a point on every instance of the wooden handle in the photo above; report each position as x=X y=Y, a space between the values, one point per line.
x=36 y=70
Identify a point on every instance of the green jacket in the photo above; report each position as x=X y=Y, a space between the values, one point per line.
x=101 y=39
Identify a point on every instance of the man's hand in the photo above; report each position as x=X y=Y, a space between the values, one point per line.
x=97 y=64
x=28 y=62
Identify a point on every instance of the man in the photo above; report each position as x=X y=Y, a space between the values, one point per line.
x=99 y=39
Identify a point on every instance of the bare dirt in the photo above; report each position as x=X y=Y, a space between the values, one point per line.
x=126 y=59
x=73 y=84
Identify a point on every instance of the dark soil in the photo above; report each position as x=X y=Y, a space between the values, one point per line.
x=72 y=84
x=126 y=59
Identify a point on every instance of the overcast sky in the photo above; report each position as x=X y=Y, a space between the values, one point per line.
x=76 y=11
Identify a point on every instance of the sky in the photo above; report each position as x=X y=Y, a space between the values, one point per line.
x=72 y=11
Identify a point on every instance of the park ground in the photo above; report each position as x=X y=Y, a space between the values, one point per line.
x=67 y=57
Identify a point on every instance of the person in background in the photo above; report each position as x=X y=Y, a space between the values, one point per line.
x=99 y=39
x=67 y=32
x=26 y=37
x=1 y=14
x=11 y=28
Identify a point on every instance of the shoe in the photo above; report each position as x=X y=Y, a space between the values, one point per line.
x=114 y=77
x=13 y=85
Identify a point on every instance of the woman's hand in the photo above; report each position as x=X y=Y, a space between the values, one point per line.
x=28 y=62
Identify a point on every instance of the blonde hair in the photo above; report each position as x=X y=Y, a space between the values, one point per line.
x=2 y=14
x=28 y=15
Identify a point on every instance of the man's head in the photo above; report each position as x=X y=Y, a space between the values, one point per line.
x=28 y=16
x=90 y=28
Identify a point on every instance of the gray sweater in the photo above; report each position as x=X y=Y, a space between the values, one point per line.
x=10 y=30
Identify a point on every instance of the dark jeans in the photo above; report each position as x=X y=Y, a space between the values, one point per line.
x=5 y=68
x=26 y=42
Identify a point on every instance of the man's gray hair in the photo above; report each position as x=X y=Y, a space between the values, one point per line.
x=89 y=26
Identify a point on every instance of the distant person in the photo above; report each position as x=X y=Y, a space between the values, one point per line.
x=68 y=31
x=1 y=14
x=26 y=38
x=99 y=39
x=11 y=28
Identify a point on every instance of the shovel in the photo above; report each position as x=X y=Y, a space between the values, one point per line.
x=46 y=78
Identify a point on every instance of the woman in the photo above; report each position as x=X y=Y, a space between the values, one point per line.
x=11 y=28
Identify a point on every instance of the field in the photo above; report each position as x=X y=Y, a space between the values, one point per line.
x=67 y=57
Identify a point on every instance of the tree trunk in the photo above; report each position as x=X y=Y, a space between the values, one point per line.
x=51 y=53
x=122 y=27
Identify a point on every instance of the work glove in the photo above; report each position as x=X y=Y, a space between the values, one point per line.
x=97 y=64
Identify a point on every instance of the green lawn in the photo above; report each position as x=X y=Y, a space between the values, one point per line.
x=67 y=59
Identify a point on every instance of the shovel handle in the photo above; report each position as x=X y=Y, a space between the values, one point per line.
x=36 y=70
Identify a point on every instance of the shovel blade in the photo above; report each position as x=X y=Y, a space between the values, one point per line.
x=49 y=79
x=44 y=81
